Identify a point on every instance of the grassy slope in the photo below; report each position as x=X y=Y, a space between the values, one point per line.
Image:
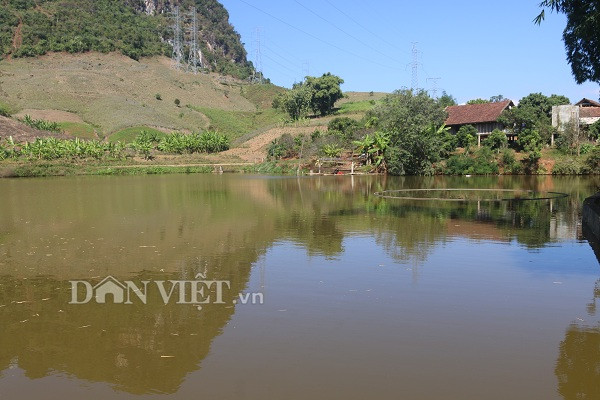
x=114 y=97
x=114 y=92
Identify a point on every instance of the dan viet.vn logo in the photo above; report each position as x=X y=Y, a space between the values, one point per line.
x=197 y=292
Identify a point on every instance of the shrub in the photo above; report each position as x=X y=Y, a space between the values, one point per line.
x=343 y=126
x=482 y=163
x=566 y=167
x=497 y=140
x=509 y=163
x=157 y=96
x=177 y=102
x=586 y=148
x=331 y=150
x=41 y=124
x=4 y=110
x=283 y=147
x=466 y=136
x=592 y=162
x=594 y=130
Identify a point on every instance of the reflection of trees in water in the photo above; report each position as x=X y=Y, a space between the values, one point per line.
x=317 y=213
x=114 y=343
x=578 y=366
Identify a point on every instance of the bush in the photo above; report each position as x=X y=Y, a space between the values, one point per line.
x=344 y=127
x=157 y=96
x=5 y=110
x=594 y=130
x=177 y=102
x=592 y=162
x=509 y=163
x=41 y=124
x=566 y=167
x=497 y=140
x=586 y=148
x=331 y=150
x=466 y=136
x=482 y=163
x=283 y=147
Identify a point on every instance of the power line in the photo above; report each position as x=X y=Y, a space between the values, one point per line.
x=362 y=26
x=343 y=31
x=281 y=65
x=281 y=49
x=317 y=38
x=280 y=56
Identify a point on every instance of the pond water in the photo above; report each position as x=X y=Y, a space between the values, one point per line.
x=327 y=290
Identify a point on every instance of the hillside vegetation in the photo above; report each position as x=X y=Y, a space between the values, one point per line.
x=136 y=28
x=111 y=92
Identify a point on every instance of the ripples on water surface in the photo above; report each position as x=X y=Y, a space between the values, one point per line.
x=364 y=297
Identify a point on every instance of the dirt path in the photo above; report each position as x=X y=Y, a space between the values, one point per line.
x=255 y=149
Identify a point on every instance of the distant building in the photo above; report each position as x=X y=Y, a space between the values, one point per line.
x=484 y=117
x=585 y=112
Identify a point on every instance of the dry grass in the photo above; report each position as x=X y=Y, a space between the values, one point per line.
x=114 y=92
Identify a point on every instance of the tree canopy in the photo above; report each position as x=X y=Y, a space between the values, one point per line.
x=581 y=35
x=413 y=123
x=316 y=94
x=325 y=92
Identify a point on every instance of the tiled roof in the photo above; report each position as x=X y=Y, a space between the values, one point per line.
x=589 y=112
x=476 y=113
x=589 y=102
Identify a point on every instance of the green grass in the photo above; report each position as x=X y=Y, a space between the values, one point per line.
x=238 y=123
x=128 y=135
x=356 y=107
x=79 y=130
x=261 y=95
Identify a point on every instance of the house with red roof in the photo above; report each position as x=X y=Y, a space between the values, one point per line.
x=484 y=117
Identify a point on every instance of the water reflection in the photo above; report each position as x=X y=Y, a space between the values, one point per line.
x=176 y=226
x=578 y=365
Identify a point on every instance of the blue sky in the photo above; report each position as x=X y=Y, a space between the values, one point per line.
x=477 y=48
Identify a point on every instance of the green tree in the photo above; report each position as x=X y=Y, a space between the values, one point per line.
x=325 y=91
x=497 y=99
x=295 y=102
x=407 y=117
x=581 y=35
x=534 y=112
x=466 y=136
x=594 y=131
x=496 y=141
x=478 y=101
x=446 y=100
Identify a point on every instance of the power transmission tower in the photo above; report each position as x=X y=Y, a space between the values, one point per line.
x=195 y=57
x=415 y=67
x=306 y=68
x=177 y=57
x=434 y=89
x=258 y=74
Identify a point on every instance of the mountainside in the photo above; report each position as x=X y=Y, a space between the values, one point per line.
x=111 y=92
x=136 y=28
